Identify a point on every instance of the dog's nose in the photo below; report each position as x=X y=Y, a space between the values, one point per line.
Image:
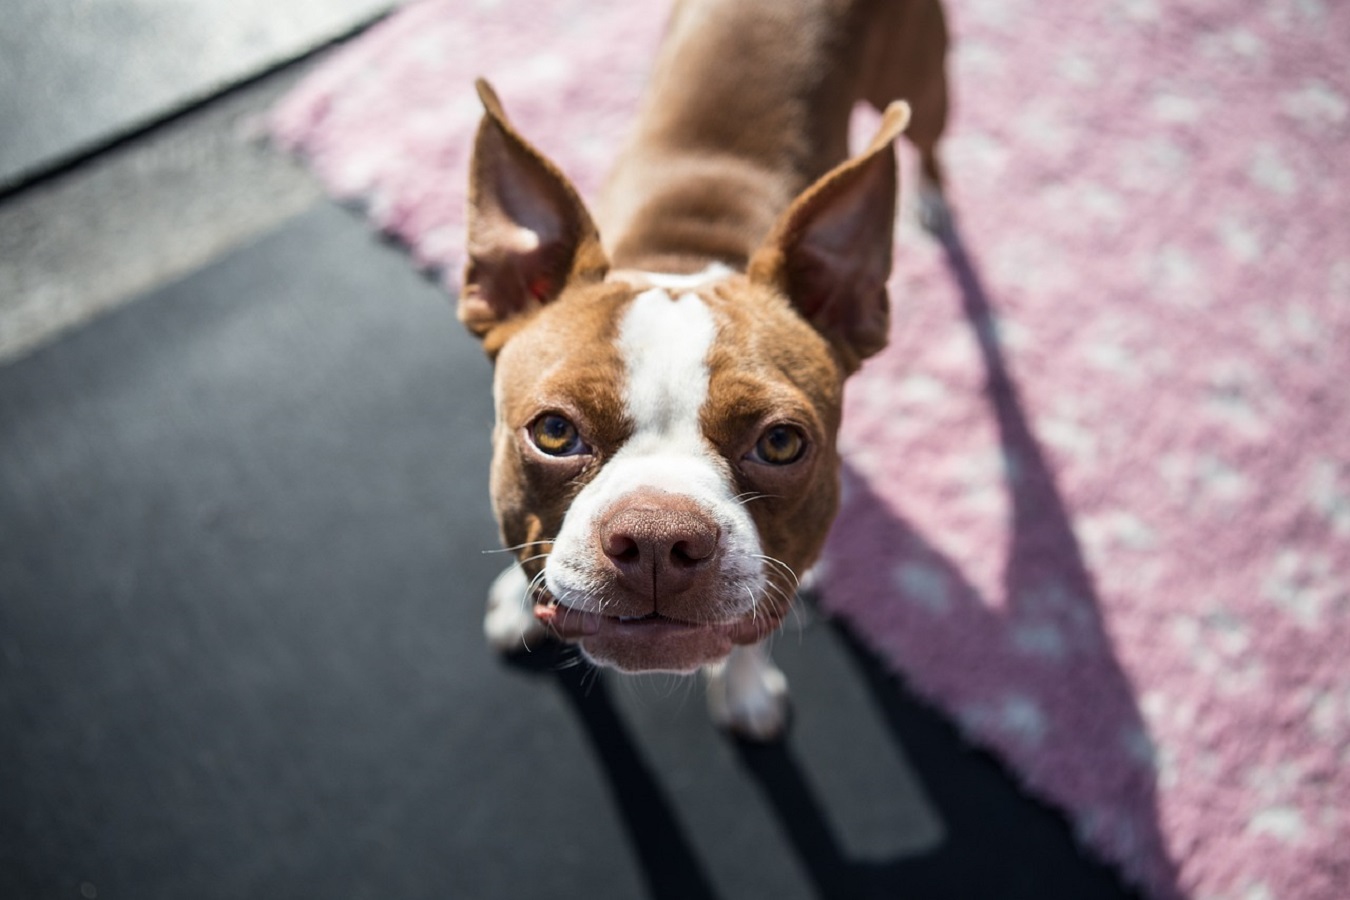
x=660 y=546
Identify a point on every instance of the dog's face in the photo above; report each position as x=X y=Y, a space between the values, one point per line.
x=664 y=452
x=676 y=449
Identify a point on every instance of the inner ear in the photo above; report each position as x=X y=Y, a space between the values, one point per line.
x=830 y=252
x=529 y=234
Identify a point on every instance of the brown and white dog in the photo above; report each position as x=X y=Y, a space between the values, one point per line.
x=668 y=383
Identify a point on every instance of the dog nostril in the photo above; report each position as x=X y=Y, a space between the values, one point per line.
x=680 y=555
x=622 y=548
x=693 y=551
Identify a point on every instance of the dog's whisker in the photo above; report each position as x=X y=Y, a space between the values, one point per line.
x=532 y=588
x=754 y=603
x=798 y=620
x=516 y=547
x=527 y=599
x=782 y=599
x=782 y=566
x=779 y=592
x=589 y=678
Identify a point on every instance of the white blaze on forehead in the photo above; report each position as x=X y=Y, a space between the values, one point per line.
x=665 y=344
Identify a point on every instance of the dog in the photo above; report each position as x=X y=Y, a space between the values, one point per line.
x=668 y=375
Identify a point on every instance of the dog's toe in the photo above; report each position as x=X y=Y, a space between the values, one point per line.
x=748 y=696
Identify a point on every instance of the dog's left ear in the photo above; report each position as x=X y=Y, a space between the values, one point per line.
x=529 y=233
x=830 y=253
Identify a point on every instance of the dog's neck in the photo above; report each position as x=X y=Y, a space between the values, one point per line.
x=709 y=169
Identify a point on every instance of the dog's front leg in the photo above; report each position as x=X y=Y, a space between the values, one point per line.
x=747 y=694
x=510 y=624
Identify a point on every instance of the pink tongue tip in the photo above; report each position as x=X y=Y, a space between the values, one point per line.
x=566 y=623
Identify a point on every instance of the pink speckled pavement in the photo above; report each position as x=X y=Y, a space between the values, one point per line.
x=1098 y=488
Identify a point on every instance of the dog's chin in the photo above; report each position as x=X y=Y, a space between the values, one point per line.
x=652 y=643
x=657 y=644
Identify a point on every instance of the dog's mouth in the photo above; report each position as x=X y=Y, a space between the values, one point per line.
x=574 y=624
x=651 y=642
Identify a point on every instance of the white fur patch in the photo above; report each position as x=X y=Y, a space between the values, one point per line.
x=665 y=343
x=665 y=346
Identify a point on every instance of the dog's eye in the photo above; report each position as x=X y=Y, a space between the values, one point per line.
x=780 y=445
x=556 y=436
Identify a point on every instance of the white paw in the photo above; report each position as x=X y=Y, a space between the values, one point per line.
x=934 y=214
x=509 y=624
x=747 y=695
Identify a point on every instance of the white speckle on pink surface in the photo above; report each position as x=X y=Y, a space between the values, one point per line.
x=1315 y=104
x=1257 y=890
x=1329 y=494
x=1152 y=165
x=1171 y=108
x=1284 y=823
x=919 y=390
x=1043 y=640
x=1021 y=717
x=1270 y=170
x=1141 y=11
x=1240 y=239
x=978 y=59
x=1306 y=586
x=923 y=585
x=1236 y=45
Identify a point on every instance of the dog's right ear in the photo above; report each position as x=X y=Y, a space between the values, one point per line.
x=529 y=233
x=830 y=252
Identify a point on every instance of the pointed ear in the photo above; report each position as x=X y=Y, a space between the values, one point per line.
x=529 y=234
x=830 y=253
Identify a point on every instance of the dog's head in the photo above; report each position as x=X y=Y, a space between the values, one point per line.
x=664 y=453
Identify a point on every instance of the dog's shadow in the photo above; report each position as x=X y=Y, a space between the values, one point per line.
x=985 y=845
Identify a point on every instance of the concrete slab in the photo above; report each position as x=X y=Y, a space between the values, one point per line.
x=149 y=211
x=244 y=523
x=75 y=74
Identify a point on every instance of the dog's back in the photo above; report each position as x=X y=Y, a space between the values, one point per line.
x=749 y=103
